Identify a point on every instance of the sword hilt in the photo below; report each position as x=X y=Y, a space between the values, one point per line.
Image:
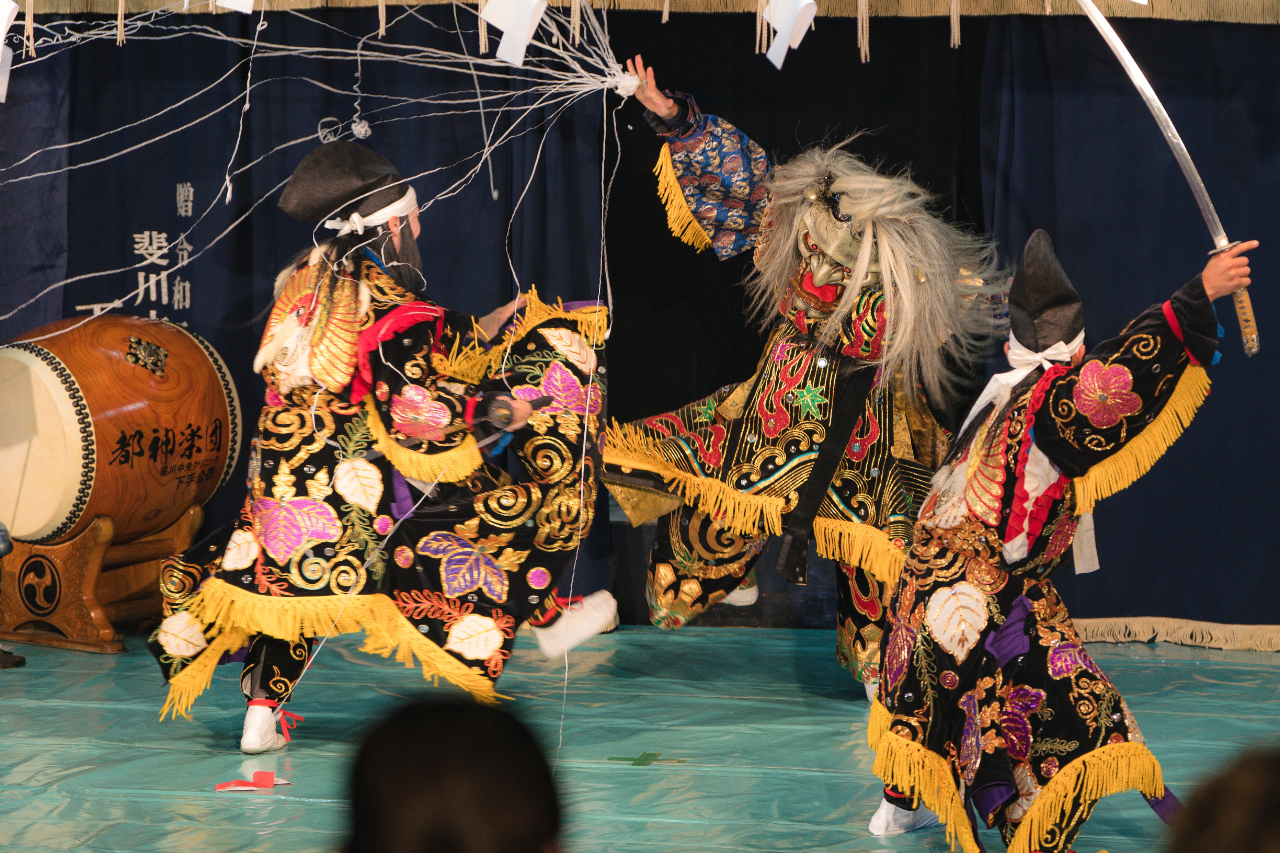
x=1248 y=326
x=1244 y=310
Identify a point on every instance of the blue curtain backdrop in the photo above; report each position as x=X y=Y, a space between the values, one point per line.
x=108 y=216
x=1069 y=146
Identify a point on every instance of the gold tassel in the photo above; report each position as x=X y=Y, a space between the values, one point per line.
x=925 y=776
x=382 y=19
x=1048 y=7
x=239 y=614
x=762 y=27
x=859 y=545
x=187 y=685
x=29 y=30
x=864 y=30
x=1107 y=770
x=877 y=724
x=1134 y=459
x=744 y=514
x=666 y=10
x=679 y=218
x=575 y=20
x=484 y=29
x=955 y=23
x=450 y=466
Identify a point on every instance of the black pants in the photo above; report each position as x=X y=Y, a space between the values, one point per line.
x=273 y=667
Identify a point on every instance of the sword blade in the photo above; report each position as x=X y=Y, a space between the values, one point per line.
x=1170 y=132
x=1244 y=308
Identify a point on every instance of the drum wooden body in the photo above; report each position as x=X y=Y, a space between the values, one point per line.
x=123 y=417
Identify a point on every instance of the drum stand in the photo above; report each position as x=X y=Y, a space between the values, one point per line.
x=68 y=595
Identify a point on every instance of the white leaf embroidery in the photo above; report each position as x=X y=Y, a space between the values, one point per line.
x=474 y=637
x=242 y=550
x=359 y=482
x=181 y=635
x=956 y=616
x=573 y=347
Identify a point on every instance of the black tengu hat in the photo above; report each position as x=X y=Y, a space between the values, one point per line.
x=341 y=178
x=1043 y=306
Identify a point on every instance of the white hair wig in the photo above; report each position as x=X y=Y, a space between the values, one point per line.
x=938 y=280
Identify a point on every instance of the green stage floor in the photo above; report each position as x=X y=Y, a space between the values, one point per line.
x=770 y=734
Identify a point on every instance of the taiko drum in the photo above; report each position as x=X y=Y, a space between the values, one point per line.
x=131 y=418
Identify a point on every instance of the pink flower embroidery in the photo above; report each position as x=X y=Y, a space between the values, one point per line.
x=1103 y=394
x=414 y=413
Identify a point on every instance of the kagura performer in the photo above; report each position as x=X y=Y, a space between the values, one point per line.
x=868 y=294
x=988 y=699
x=371 y=507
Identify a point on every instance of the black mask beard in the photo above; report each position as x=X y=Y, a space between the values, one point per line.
x=405 y=265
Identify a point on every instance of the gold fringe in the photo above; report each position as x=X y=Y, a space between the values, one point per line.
x=744 y=514
x=593 y=323
x=194 y=680
x=449 y=466
x=467 y=364
x=1230 y=11
x=859 y=545
x=1135 y=458
x=877 y=724
x=926 y=777
x=679 y=218
x=1186 y=632
x=1107 y=770
x=238 y=614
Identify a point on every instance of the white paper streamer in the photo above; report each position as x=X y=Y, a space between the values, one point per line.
x=8 y=14
x=244 y=6
x=518 y=20
x=790 y=19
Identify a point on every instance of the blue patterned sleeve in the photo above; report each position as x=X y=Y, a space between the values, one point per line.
x=721 y=173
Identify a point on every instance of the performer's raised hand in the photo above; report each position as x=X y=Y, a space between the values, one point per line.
x=490 y=324
x=648 y=92
x=1227 y=271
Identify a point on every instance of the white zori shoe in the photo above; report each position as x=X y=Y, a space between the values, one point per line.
x=747 y=593
x=891 y=820
x=579 y=622
x=260 y=734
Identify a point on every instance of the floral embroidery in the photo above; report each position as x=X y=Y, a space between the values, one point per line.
x=414 y=413
x=1103 y=394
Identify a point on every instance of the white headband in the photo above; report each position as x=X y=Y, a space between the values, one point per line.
x=406 y=205
x=1023 y=361
x=1020 y=356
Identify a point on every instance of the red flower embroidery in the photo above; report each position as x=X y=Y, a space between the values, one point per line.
x=1103 y=394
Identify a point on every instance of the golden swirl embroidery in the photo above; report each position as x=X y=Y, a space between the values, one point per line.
x=548 y=459
x=567 y=512
x=509 y=507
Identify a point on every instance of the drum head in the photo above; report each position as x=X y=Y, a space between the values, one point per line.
x=40 y=446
